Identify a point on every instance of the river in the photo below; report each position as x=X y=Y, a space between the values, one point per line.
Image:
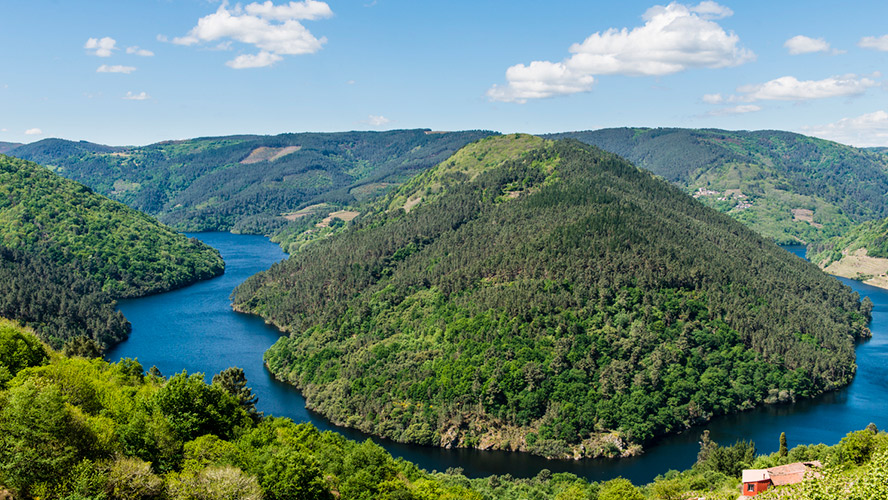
x=194 y=329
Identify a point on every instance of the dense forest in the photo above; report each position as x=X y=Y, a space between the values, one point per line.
x=77 y=429
x=60 y=302
x=127 y=253
x=552 y=298
x=247 y=183
x=785 y=186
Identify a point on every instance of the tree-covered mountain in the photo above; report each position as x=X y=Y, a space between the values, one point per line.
x=247 y=183
x=785 y=186
x=549 y=297
x=126 y=252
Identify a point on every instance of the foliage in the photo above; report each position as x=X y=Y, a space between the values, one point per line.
x=775 y=171
x=234 y=382
x=239 y=183
x=68 y=428
x=545 y=300
x=18 y=350
x=58 y=301
x=128 y=253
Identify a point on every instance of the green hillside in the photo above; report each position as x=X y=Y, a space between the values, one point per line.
x=552 y=298
x=126 y=252
x=72 y=428
x=247 y=183
x=785 y=186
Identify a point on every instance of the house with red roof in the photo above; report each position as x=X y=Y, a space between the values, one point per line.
x=756 y=481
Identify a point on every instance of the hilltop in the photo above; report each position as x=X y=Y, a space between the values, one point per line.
x=549 y=297
x=785 y=186
x=247 y=183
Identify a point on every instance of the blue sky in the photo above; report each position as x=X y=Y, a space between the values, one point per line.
x=133 y=72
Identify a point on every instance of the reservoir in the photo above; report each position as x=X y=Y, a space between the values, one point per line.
x=194 y=329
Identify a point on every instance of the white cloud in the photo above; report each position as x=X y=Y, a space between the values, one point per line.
x=308 y=10
x=33 y=131
x=141 y=96
x=377 y=120
x=801 y=44
x=673 y=38
x=736 y=110
x=4 y=130
x=713 y=98
x=789 y=88
x=101 y=47
x=259 y=60
x=872 y=42
x=115 y=69
x=540 y=79
x=139 y=52
x=862 y=131
x=273 y=29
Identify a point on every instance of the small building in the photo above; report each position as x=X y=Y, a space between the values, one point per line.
x=756 y=481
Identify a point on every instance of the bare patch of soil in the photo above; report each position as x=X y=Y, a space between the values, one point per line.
x=268 y=154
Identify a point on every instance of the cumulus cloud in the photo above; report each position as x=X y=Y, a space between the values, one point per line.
x=309 y=10
x=33 y=131
x=377 y=120
x=866 y=130
x=713 y=98
x=115 y=69
x=259 y=60
x=275 y=30
x=736 y=110
x=789 y=88
x=141 y=96
x=673 y=38
x=139 y=52
x=802 y=44
x=102 y=47
x=872 y=42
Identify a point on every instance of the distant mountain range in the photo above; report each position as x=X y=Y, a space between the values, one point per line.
x=6 y=146
x=247 y=183
x=786 y=186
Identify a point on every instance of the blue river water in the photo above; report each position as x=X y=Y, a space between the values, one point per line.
x=194 y=329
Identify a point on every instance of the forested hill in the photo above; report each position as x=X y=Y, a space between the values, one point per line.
x=248 y=183
x=127 y=253
x=785 y=186
x=536 y=295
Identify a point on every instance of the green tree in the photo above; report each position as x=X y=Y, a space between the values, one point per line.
x=619 y=489
x=35 y=437
x=291 y=474
x=783 y=448
x=234 y=382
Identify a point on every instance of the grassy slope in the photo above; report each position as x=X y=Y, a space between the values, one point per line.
x=775 y=171
x=127 y=252
x=432 y=326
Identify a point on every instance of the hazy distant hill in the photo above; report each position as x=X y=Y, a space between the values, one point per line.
x=532 y=295
x=786 y=186
x=6 y=146
x=245 y=183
